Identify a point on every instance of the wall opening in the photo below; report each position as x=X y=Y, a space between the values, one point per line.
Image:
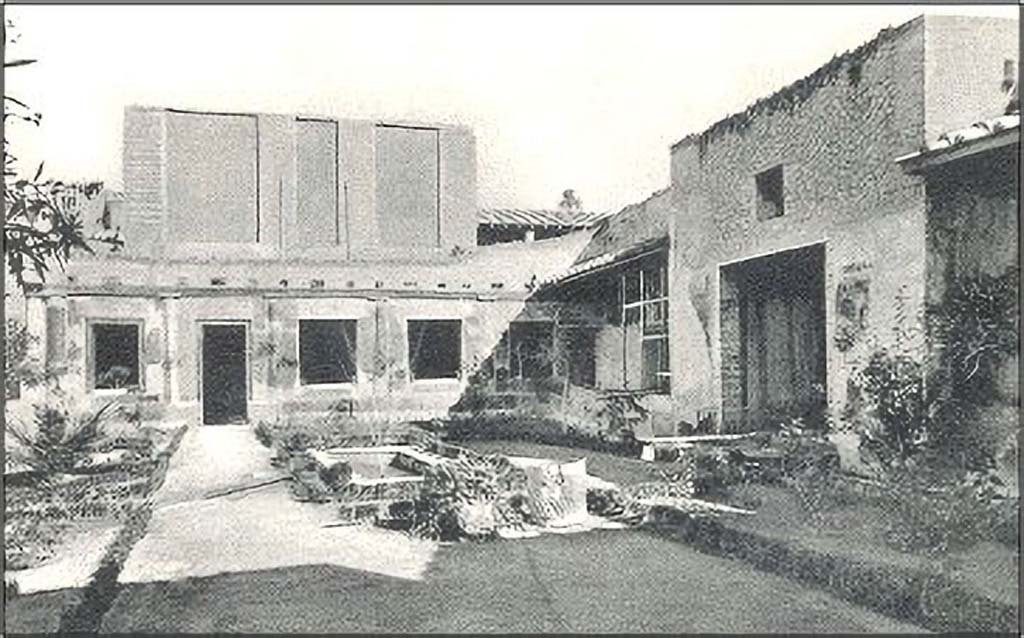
x=645 y=325
x=531 y=349
x=770 y=199
x=327 y=351
x=435 y=348
x=773 y=339
x=115 y=355
x=225 y=373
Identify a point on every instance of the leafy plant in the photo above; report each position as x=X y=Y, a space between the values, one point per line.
x=975 y=329
x=38 y=227
x=60 y=440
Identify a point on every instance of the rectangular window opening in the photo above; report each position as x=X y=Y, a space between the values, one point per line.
x=115 y=356
x=327 y=351
x=435 y=348
x=770 y=198
x=531 y=352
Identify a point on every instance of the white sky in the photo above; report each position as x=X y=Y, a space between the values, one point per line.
x=583 y=97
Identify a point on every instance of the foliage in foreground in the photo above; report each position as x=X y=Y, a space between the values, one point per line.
x=61 y=440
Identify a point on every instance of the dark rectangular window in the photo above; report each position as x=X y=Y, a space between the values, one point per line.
x=115 y=355
x=327 y=351
x=531 y=350
x=770 y=202
x=435 y=348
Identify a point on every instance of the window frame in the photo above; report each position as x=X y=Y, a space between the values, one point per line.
x=298 y=355
x=409 y=354
x=637 y=270
x=763 y=182
x=90 y=353
x=513 y=361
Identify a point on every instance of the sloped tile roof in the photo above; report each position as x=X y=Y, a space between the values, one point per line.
x=539 y=217
x=634 y=225
x=968 y=139
x=978 y=130
x=634 y=230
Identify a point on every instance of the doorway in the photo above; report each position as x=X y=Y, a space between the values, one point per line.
x=225 y=388
x=777 y=338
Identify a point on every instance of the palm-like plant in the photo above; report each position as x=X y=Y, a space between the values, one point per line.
x=60 y=440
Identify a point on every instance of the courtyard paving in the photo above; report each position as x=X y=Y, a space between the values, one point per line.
x=257 y=561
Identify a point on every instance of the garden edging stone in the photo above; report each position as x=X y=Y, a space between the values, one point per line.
x=924 y=597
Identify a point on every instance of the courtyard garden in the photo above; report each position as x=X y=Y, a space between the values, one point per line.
x=77 y=487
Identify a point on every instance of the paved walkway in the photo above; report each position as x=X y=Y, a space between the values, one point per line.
x=212 y=458
x=190 y=535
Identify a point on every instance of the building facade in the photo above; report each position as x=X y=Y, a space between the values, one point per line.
x=799 y=242
x=280 y=264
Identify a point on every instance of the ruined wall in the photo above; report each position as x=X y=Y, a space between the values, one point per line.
x=836 y=135
x=964 y=69
x=171 y=188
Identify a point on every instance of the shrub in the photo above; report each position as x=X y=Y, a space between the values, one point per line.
x=605 y=502
x=336 y=476
x=895 y=385
x=541 y=430
x=264 y=434
x=936 y=520
x=458 y=497
x=60 y=440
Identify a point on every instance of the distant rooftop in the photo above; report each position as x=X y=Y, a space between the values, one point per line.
x=560 y=217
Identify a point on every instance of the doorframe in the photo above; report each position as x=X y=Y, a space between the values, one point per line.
x=246 y=325
x=826 y=245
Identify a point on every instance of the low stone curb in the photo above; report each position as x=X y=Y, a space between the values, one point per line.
x=926 y=598
x=86 y=615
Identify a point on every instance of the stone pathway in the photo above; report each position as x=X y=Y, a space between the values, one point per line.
x=264 y=528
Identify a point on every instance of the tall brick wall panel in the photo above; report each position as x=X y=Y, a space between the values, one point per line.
x=144 y=178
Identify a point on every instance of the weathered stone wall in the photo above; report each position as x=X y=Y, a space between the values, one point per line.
x=150 y=229
x=973 y=229
x=836 y=134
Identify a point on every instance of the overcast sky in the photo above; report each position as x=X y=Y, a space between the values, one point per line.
x=583 y=97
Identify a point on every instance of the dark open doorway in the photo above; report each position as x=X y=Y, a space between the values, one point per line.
x=225 y=378
x=773 y=328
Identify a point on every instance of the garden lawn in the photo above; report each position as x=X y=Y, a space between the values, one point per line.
x=610 y=467
x=38 y=613
x=606 y=581
x=856 y=530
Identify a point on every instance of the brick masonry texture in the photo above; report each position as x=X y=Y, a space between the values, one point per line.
x=837 y=134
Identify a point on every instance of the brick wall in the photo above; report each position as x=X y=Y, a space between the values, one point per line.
x=144 y=180
x=836 y=134
x=150 y=231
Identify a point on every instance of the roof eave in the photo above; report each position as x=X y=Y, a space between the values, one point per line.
x=924 y=160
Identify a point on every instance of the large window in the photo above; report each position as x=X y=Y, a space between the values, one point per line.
x=645 y=330
x=115 y=355
x=327 y=351
x=435 y=348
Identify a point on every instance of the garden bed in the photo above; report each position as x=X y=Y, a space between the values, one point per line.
x=843 y=550
x=62 y=523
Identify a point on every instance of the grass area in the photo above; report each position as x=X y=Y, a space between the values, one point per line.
x=610 y=467
x=856 y=529
x=38 y=613
x=619 y=581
